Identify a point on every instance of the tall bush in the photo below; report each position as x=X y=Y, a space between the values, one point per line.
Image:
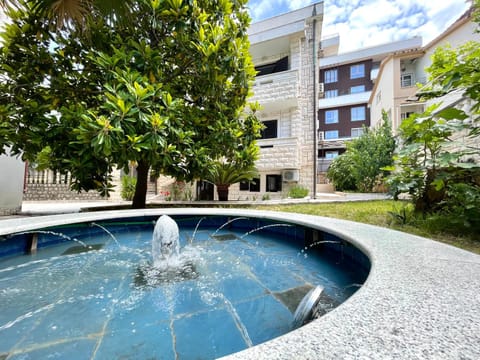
x=363 y=163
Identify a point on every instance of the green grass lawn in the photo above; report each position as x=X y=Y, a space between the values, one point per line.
x=378 y=212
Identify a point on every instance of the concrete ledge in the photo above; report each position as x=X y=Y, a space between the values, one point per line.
x=325 y=188
x=420 y=301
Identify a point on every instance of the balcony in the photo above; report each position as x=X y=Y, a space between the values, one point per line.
x=276 y=91
x=279 y=153
x=331 y=142
x=323 y=164
x=344 y=100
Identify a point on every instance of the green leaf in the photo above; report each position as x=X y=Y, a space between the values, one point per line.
x=452 y=113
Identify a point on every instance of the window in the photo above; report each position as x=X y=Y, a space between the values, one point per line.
x=357 y=71
x=406 y=115
x=331 y=134
x=331 y=93
x=253 y=186
x=331 y=116
x=331 y=154
x=274 y=183
x=407 y=80
x=357 y=89
x=356 y=132
x=331 y=76
x=358 y=113
x=278 y=66
x=270 y=130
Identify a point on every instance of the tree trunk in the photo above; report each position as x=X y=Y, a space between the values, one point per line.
x=140 y=196
x=222 y=191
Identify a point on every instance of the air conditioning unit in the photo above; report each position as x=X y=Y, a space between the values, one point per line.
x=321 y=89
x=290 y=175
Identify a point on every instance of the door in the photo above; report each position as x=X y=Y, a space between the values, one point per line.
x=205 y=190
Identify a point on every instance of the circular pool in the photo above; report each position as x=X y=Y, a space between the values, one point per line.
x=419 y=301
x=92 y=290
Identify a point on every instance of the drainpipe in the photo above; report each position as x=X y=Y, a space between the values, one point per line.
x=315 y=126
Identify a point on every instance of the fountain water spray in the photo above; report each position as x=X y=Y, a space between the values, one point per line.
x=165 y=241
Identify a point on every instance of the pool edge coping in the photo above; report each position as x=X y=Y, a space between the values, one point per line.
x=399 y=312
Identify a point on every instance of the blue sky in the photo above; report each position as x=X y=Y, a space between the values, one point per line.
x=362 y=23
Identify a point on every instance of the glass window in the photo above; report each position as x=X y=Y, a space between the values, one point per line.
x=331 y=76
x=278 y=66
x=331 y=154
x=244 y=185
x=270 y=130
x=274 y=183
x=358 y=113
x=357 y=132
x=253 y=185
x=357 y=89
x=407 y=80
x=331 y=134
x=331 y=116
x=331 y=93
x=406 y=115
x=357 y=71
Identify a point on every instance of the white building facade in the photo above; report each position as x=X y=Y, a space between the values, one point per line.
x=285 y=53
x=401 y=74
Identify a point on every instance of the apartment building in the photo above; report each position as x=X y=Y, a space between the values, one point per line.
x=401 y=73
x=346 y=83
x=285 y=53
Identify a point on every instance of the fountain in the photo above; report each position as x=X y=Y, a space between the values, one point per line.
x=165 y=244
x=148 y=293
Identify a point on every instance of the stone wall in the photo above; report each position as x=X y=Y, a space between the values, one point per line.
x=35 y=192
x=50 y=185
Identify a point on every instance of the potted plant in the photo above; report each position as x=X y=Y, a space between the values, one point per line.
x=223 y=174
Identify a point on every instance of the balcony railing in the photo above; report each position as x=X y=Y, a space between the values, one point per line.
x=277 y=89
x=323 y=164
x=279 y=153
x=344 y=100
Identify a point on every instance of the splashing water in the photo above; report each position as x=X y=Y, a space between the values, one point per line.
x=165 y=241
x=228 y=222
x=196 y=228
x=263 y=227
x=63 y=236
x=107 y=231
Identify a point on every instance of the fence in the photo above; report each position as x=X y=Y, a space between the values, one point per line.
x=52 y=185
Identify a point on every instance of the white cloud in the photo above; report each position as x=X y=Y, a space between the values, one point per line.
x=362 y=23
x=262 y=9
x=373 y=22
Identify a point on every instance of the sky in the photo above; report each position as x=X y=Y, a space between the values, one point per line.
x=364 y=23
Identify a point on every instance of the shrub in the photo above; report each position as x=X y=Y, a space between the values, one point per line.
x=341 y=172
x=298 y=192
x=128 y=187
x=363 y=163
x=461 y=207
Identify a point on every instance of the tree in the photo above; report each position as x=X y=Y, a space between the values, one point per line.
x=167 y=94
x=70 y=13
x=361 y=166
x=434 y=163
